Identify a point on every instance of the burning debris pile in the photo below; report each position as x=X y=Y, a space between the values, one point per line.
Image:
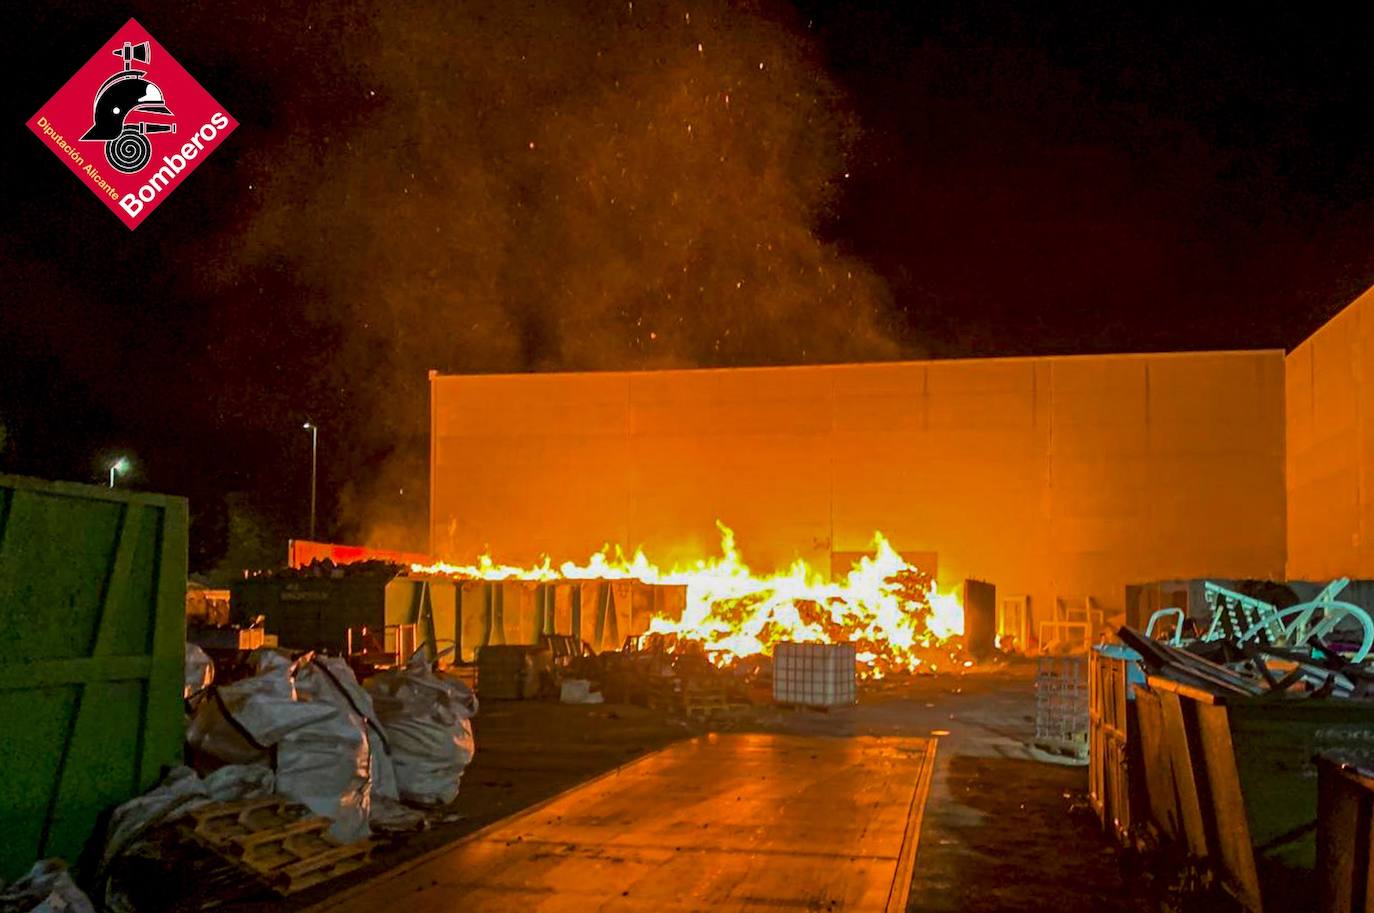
x=888 y=609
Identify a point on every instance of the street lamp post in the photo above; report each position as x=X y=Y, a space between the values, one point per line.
x=314 y=452
x=118 y=466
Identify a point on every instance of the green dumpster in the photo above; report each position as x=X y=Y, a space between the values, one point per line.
x=1244 y=783
x=307 y=612
x=92 y=616
x=1345 y=831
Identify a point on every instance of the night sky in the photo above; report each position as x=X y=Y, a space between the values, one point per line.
x=595 y=185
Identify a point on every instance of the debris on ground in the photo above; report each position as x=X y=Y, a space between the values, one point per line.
x=46 y=888
x=298 y=768
x=578 y=691
x=275 y=842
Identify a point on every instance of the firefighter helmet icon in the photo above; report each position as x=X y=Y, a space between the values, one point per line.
x=127 y=92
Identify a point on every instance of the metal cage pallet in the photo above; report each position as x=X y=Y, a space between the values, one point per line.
x=814 y=675
x=1061 y=707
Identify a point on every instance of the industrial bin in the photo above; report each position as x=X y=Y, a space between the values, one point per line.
x=92 y=616
x=309 y=613
x=1161 y=804
x=1345 y=832
x=509 y=672
x=603 y=613
x=497 y=612
x=1244 y=783
x=655 y=600
x=814 y=675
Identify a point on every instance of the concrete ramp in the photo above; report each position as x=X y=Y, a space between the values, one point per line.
x=721 y=823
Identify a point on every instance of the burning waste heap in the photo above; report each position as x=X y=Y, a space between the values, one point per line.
x=889 y=610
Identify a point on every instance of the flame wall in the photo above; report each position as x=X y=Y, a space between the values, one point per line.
x=1331 y=448
x=1054 y=477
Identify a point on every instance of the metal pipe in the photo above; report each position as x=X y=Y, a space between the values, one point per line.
x=314 y=454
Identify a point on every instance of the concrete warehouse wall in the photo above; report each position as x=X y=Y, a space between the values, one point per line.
x=1330 y=383
x=1054 y=477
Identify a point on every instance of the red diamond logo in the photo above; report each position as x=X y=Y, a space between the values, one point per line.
x=132 y=124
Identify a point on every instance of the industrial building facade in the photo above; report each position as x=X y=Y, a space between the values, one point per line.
x=1330 y=437
x=1057 y=478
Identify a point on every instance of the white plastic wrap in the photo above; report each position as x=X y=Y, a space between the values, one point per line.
x=326 y=758
x=579 y=691
x=324 y=766
x=329 y=680
x=237 y=782
x=46 y=888
x=180 y=792
x=200 y=671
x=242 y=721
x=426 y=719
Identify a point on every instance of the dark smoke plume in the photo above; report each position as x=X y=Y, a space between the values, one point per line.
x=581 y=185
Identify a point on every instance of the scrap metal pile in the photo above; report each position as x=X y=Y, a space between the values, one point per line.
x=1318 y=648
x=675 y=676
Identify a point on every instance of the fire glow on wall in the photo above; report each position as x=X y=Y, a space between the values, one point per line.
x=1058 y=478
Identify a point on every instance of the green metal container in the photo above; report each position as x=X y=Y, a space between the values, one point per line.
x=500 y=613
x=92 y=618
x=1244 y=783
x=1345 y=832
x=315 y=613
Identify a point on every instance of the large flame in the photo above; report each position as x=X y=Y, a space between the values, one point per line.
x=890 y=610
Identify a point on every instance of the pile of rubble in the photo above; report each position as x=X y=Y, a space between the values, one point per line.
x=1224 y=667
x=660 y=671
x=668 y=672
x=327 y=568
x=1251 y=647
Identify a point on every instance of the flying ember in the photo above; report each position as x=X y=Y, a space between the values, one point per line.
x=890 y=610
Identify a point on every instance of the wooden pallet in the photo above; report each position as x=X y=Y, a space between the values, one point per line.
x=660 y=693
x=703 y=700
x=278 y=842
x=813 y=708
